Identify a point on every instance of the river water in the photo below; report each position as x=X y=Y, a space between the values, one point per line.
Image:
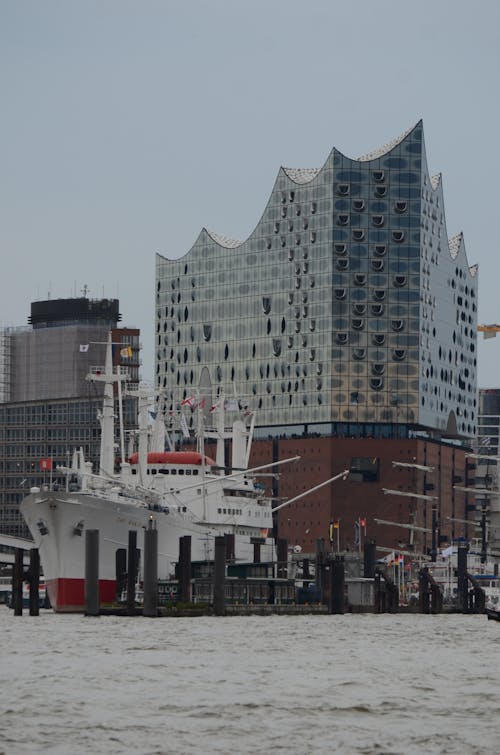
x=302 y=684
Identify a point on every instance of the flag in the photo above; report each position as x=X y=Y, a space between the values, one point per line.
x=331 y=532
x=126 y=352
x=336 y=524
x=84 y=347
x=356 y=533
x=189 y=401
x=362 y=522
x=401 y=560
x=214 y=406
x=45 y=465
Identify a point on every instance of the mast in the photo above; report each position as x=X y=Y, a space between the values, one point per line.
x=106 y=461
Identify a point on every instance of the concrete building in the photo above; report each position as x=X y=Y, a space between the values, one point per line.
x=47 y=406
x=347 y=314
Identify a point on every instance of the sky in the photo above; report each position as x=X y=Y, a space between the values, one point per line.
x=127 y=126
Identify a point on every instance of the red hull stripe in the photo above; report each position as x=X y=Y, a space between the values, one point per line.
x=69 y=594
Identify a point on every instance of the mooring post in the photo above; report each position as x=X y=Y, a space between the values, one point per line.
x=220 y=576
x=463 y=600
x=230 y=547
x=131 y=571
x=184 y=569
x=282 y=556
x=17 y=582
x=150 y=607
x=320 y=557
x=369 y=559
x=337 y=585
x=92 y=572
x=34 y=577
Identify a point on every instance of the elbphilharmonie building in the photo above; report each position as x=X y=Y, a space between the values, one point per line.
x=349 y=309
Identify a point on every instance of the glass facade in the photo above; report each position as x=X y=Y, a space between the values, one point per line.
x=347 y=303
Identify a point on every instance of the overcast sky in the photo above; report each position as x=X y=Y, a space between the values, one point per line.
x=127 y=126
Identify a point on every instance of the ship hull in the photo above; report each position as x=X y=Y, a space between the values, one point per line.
x=58 y=521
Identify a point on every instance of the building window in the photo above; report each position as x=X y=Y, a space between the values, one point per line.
x=358 y=205
x=398 y=236
x=343 y=189
x=380 y=191
x=340 y=248
x=364 y=469
x=400 y=206
x=378 y=175
x=358 y=234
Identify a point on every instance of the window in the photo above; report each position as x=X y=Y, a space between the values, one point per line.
x=378 y=339
x=340 y=248
x=376 y=384
x=341 y=338
x=343 y=219
x=358 y=234
x=399 y=280
x=266 y=304
x=342 y=263
x=343 y=190
x=398 y=355
x=359 y=205
x=358 y=354
x=377 y=309
x=378 y=175
x=397 y=324
x=378 y=220
x=398 y=236
x=380 y=191
x=359 y=309
x=378 y=368
x=364 y=469
x=380 y=250
x=377 y=265
x=358 y=324
x=400 y=206
x=379 y=294
x=340 y=293
x=207 y=332
x=360 y=279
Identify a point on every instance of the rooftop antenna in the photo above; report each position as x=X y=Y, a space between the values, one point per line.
x=85 y=290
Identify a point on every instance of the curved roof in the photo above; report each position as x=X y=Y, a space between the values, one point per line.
x=454 y=244
x=386 y=148
x=301 y=175
x=223 y=240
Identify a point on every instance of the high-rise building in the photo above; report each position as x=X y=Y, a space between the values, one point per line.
x=47 y=406
x=347 y=313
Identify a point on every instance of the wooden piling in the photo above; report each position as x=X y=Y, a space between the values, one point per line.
x=34 y=579
x=131 y=571
x=184 y=568
x=337 y=585
x=220 y=576
x=369 y=559
x=17 y=582
x=150 y=607
x=92 y=572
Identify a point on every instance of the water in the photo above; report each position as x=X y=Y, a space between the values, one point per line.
x=306 y=684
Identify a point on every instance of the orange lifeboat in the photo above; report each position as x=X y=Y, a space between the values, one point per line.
x=174 y=457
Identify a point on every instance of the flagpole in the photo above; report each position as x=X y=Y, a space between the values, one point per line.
x=338 y=536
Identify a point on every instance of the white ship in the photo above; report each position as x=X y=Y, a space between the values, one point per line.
x=178 y=492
